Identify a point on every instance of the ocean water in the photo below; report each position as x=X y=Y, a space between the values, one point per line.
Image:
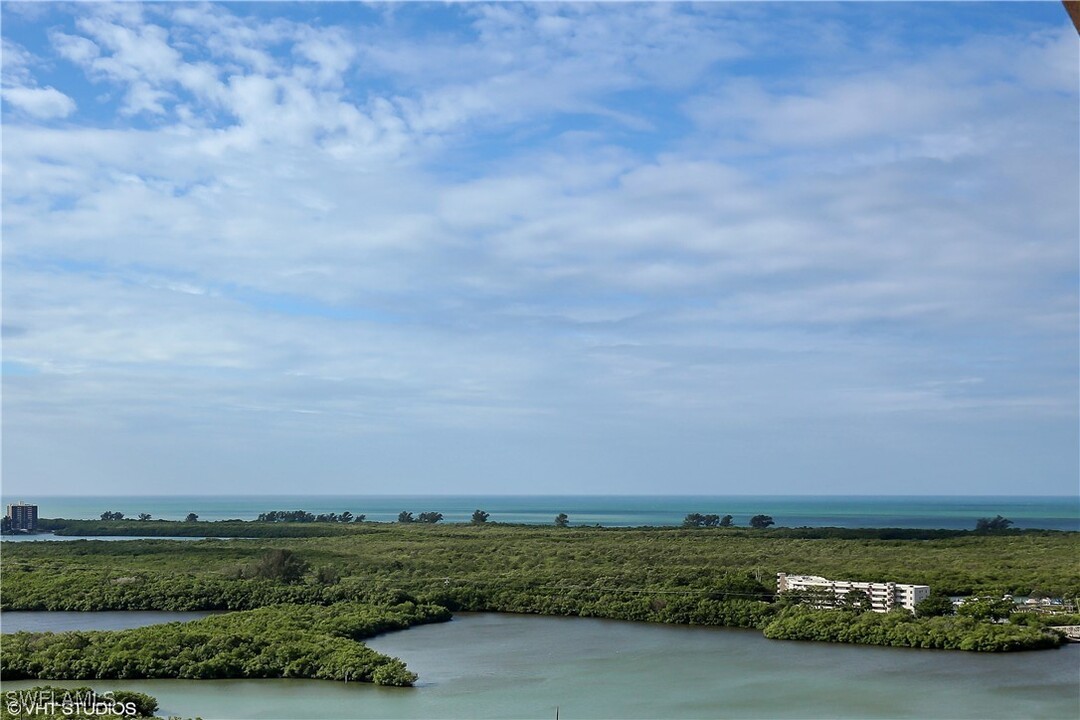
x=948 y=512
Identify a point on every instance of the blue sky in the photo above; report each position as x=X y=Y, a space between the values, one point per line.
x=557 y=248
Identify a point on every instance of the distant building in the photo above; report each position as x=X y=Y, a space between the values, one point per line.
x=830 y=593
x=22 y=517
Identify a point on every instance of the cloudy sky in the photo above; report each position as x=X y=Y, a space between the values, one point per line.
x=471 y=248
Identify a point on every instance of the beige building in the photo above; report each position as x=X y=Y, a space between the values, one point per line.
x=830 y=593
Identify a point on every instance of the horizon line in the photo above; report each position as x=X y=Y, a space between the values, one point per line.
x=584 y=495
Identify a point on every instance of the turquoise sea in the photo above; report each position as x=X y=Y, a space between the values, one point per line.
x=950 y=512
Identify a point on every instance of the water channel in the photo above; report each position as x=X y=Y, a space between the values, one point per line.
x=511 y=666
x=49 y=537
x=16 y=620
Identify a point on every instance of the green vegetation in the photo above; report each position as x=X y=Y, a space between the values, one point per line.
x=483 y=565
x=856 y=601
x=303 y=516
x=479 y=517
x=278 y=641
x=278 y=564
x=722 y=576
x=995 y=524
x=699 y=520
x=1042 y=620
x=936 y=605
x=431 y=518
x=986 y=608
x=170 y=528
x=562 y=520
x=901 y=629
x=760 y=522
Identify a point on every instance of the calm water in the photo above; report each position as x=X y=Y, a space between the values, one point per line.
x=49 y=537
x=507 y=666
x=15 y=621
x=1058 y=513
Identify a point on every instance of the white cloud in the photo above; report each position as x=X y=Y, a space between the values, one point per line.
x=137 y=53
x=142 y=98
x=45 y=103
x=347 y=231
x=17 y=63
x=20 y=89
x=332 y=53
x=76 y=48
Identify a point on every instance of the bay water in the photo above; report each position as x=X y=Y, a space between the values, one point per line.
x=48 y=537
x=513 y=666
x=12 y=621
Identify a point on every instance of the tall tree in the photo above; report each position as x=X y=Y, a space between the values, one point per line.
x=281 y=565
x=986 y=608
x=995 y=524
x=856 y=600
x=699 y=520
x=693 y=520
x=760 y=522
x=935 y=605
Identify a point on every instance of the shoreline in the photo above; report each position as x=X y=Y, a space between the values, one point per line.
x=675 y=576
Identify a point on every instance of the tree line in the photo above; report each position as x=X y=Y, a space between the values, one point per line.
x=900 y=628
x=112 y=516
x=280 y=641
x=119 y=524
x=302 y=516
x=479 y=517
x=692 y=520
x=994 y=524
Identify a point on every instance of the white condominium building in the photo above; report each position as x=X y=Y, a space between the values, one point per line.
x=830 y=593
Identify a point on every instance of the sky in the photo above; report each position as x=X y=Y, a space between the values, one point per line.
x=540 y=249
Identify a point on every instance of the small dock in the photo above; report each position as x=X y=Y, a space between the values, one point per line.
x=1071 y=632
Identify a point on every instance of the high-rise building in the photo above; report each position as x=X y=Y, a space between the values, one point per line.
x=23 y=517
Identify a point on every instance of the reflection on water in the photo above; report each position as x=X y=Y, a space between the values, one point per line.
x=510 y=666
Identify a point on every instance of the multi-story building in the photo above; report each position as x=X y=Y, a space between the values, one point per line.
x=22 y=517
x=825 y=593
